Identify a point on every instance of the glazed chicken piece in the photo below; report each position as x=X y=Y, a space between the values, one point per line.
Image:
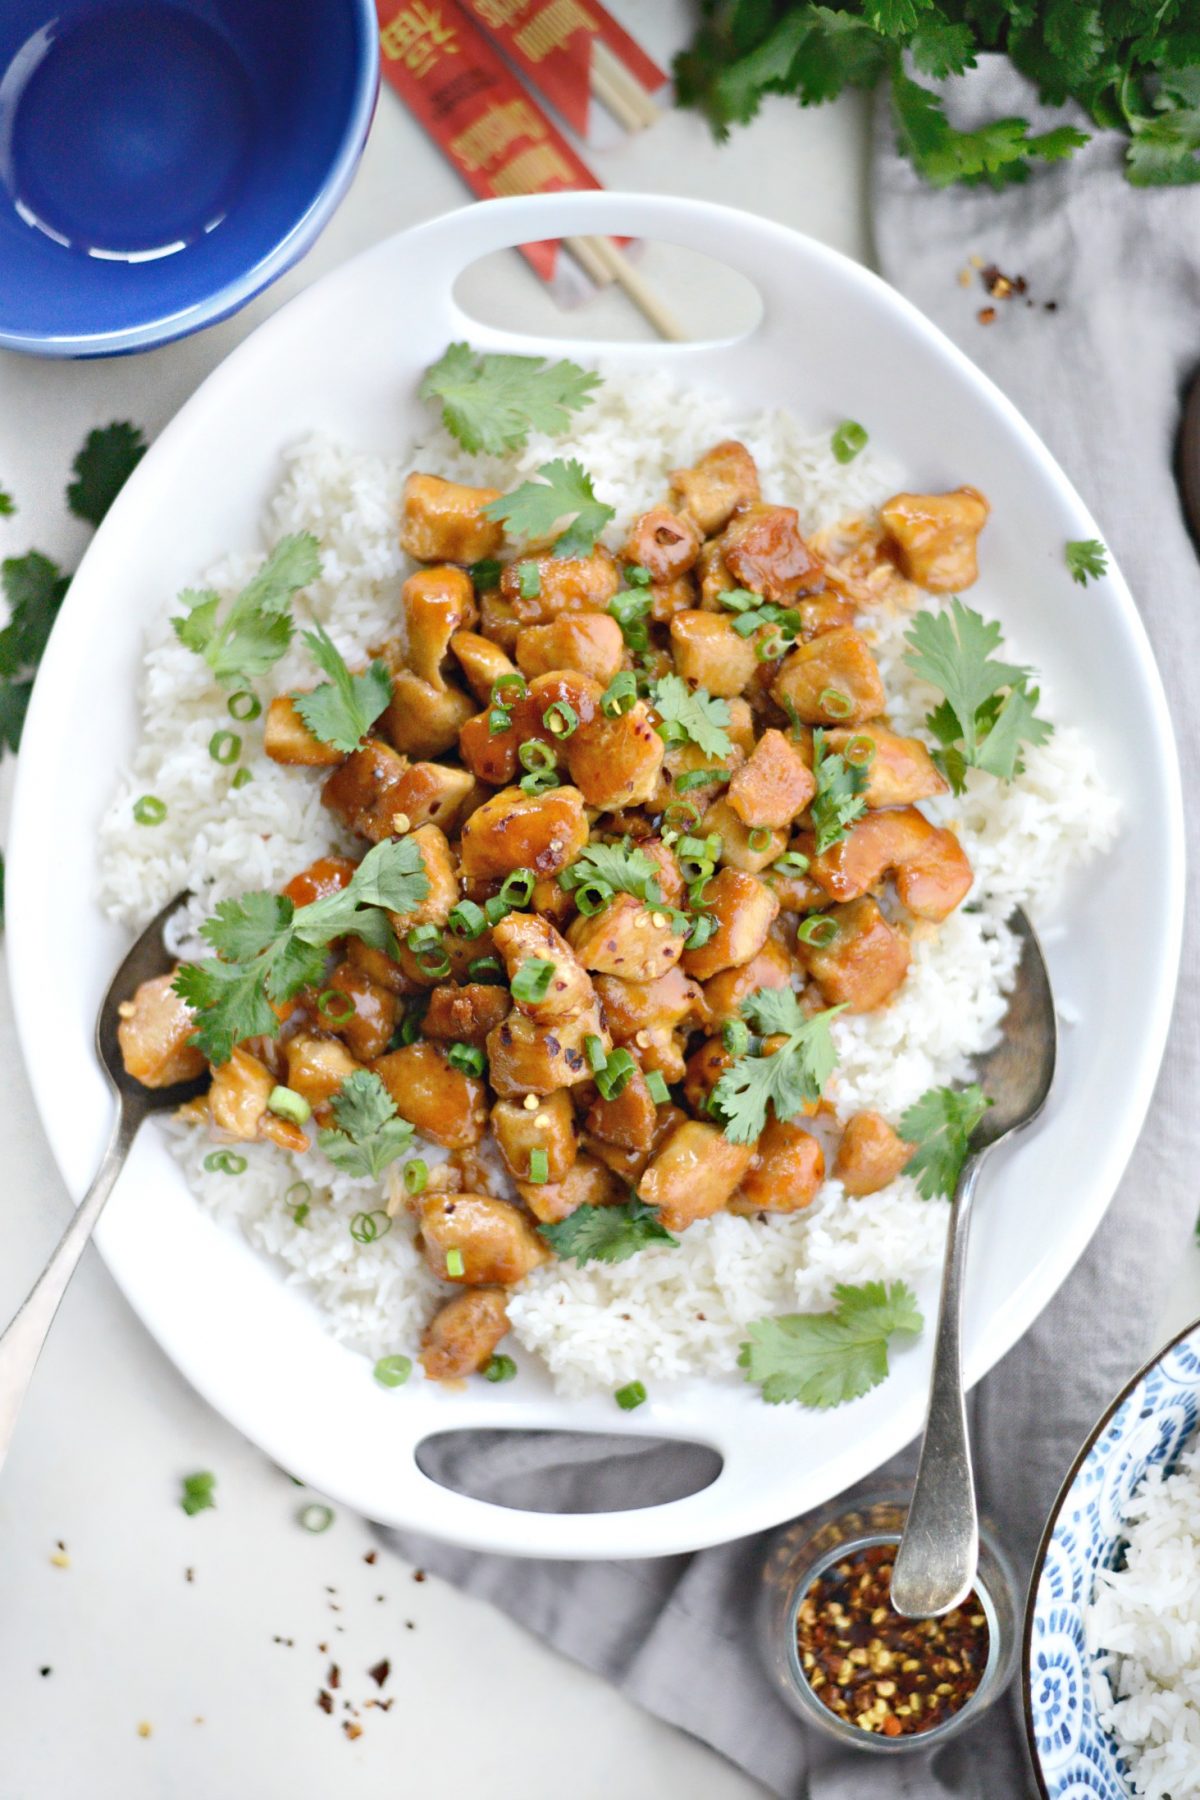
x=724 y=479
x=669 y=597
x=442 y=1102
x=527 y=1057
x=515 y=830
x=287 y=739
x=153 y=1035
x=588 y=641
x=745 y=909
x=549 y=1127
x=482 y=662
x=864 y=964
x=465 y=1015
x=870 y=1155
x=364 y=1016
x=627 y=938
x=564 y=584
x=495 y=1243
x=662 y=542
x=587 y=1183
x=936 y=537
x=772 y=967
x=833 y=680
x=773 y=784
x=901 y=769
x=384 y=969
x=362 y=792
x=443 y=522
x=437 y=603
x=432 y=793
x=327 y=875
x=615 y=762
x=653 y=1016
x=421 y=719
x=709 y=652
x=930 y=867
x=786 y=1172
x=820 y=613
x=524 y=937
x=764 y=551
x=494 y=755
x=705 y=1067
x=237 y=1103
x=441 y=872
x=317 y=1066
x=739 y=840
x=629 y=1120
x=694 y=1174
x=462 y=1336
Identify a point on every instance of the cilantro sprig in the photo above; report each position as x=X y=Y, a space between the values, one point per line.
x=939 y=1126
x=1086 y=559
x=839 y=797
x=197 y=1492
x=563 y=490
x=34 y=588
x=989 y=711
x=623 y=869
x=343 y=709
x=824 y=1359
x=257 y=627
x=606 y=1234
x=692 y=714
x=370 y=1133
x=268 y=949
x=789 y=1079
x=102 y=468
x=492 y=403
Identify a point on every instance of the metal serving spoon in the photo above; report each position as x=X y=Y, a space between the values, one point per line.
x=936 y=1562
x=22 y=1343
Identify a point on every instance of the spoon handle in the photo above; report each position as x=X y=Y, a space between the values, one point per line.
x=21 y=1344
x=936 y=1562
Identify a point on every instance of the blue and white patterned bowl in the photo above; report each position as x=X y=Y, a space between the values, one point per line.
x=1148 y=1425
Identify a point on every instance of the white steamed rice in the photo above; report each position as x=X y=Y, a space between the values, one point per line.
x=666 y=1312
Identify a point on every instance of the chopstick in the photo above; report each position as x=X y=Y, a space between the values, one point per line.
x=639 y=290
x=618 y=92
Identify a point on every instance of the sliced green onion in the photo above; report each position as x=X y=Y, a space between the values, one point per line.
x=592 y=897
x=561 y=719
x=466 y=920
x=315 y=1517
x=242 y=779
x=225 y=747
x=630 y=1396
x=620 y=695
x=496 y=909
x=532 y=980
x=513 y=684
x=629 y=609
x=499 y=720
x=454 y=1263
x=486 y=572
x=468 y=1059
x=487 y=969
x=818 y=931
x=860 y=752
x=414 y=1013
x=637 y=576
x=298 y=1194
x=392 y=1371
x=499 y=1368
x=747 y=624
x=847 y=441
x=535 y=756
x=759 y=839
x=593 y=1049
x=334 y=1005
x=286 y=1103
x=540 y=781
x=701 y=931
x=835 y=703
x=710 y=846
x=735 y=1035
x=792 y=862
x=425 y=942
x=615 y=1076
x=539 y=1167
x=227 y=1162
x=739 y=600
x=517 y=889
x=149 y=810
x=365 y=1227
x=416 y=1175
x=244 y=705
x=694 y=778
x=771 y=646
x=660 y=1093
x=529 y=580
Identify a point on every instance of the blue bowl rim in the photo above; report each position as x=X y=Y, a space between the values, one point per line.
x=1039 y=1561
x=299 y=238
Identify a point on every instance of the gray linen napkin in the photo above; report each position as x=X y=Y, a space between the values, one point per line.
x=1100 y=377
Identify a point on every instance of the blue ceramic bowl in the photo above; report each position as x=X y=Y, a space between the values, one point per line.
x=162 y=161
x=1148 y=1425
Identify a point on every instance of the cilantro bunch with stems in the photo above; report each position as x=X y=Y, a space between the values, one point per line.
x=989 y=712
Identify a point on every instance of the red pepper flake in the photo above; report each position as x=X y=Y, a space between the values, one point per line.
x=325 y=1701
x=189 y=1574
x=418 y=1574
x=351 y=1730
x=986 y=315
x=334 y=1677
x=876 y=1669
x=380 y=1672
x=371 y=1556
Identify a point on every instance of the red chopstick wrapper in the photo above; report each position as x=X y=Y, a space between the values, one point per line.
x=553 y=43
x=476 y=111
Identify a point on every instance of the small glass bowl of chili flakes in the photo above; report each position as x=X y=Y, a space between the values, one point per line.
x=848 y=1663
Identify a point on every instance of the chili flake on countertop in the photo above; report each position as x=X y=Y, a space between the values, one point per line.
x=876 y=1669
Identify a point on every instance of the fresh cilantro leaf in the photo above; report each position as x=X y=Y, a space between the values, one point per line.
x=939 y=1125
x=1165 y=143
x=1086 y=558
x=8 y=505
x=698 y=715
x=607 y=1234
x=2 y=874
x=198 y=1493
x=102 y=468
x=342 y=710
x=895 y=18
x=789 y=1079
x=838 y=799
x=34 y=588
x=563 y=491
x=257 y=628
x=940 y=47
x=267 y=949
x=627 y=871
x=492 y=403
x=825 y=1359
x=998 y=151
x=371 y=1134
x=988 y=712
x=14 y=704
